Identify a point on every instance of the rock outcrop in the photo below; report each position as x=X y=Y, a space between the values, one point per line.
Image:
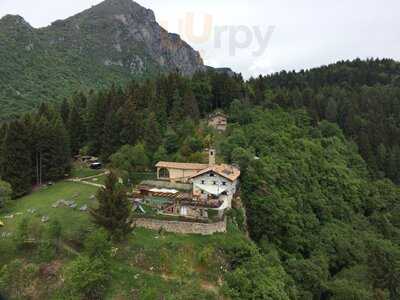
x=125 y=34
x=114 y=41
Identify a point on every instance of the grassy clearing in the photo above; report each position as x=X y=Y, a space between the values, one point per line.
x=81 y=171
x=153 y=265
x=148 y=265
x=42 y=200
x=99 y=179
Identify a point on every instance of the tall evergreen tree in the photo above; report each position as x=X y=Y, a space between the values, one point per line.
x=393 y=166
x=53 y=153
x=331 y=113
x=191 y=107
x=130 y=122
x=382 y=158
x=3 y=133
x=96 y=115
x=177 y=112
x=17 y=168
x=5 y=193
x=152 y=136
x=76 y=130
x=111 y=136
x=113 y=212
x=64 y=111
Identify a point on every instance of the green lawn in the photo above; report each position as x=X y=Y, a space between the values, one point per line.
x=42 y=200
x=149 y=264
x=100 y=179
x=173 y=266
x=83 y=171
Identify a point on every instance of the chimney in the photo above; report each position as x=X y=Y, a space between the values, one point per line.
x=211 y=156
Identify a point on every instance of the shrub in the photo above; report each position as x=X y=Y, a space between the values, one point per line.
x=21 y=234
x=46 y=251
x=16 y=277
x=5 y=193
x=86 y=277
x=98 y=245
x=55 y=230
x=206 y=256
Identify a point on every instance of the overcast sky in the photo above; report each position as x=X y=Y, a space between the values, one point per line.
x=300 y=33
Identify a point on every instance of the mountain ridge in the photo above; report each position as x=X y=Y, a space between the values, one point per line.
x=114 y=41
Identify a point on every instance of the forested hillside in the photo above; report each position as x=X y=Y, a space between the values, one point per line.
x=114 y=41
x=363 y=97
x=308 y=195
x=161 y=114
x=325 y=225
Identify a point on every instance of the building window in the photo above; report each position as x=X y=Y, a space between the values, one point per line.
x=223 y=183
x=202 y=182
x=215 y=183
x=212 y=175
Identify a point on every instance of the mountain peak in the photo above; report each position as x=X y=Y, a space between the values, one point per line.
x=122 y=7
x=14 y=20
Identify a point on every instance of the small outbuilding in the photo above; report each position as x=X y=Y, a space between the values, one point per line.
x=218 y=121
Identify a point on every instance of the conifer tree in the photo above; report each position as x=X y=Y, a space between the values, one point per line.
x=177 y=112
x=331 y=111
x=96 y=116
x=152 y=135
x=3 y=133
x=76 y=130
x=5 y=193
x=394 y=165
x=113 y=212
x=61 y=158
x=17 y=166
x=171 y=141
x=64 y=111
x=191 y=107
x=111 y=140
x=51 y=147
x=382 y=158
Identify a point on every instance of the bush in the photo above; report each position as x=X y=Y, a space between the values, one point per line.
x=237 y=215
x=206 y=256
x=86 y=277
x=5 y=193
x=98 y=245
x=46 y=252
x=55 y=230
x=256 y=278
x=21 y=234
x=16 y=278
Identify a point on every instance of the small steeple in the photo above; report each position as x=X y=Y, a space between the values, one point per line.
x=211 y=156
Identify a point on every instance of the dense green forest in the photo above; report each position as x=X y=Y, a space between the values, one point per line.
x=323 y=215
x=363 y=97
x=161 y=114
x=309 y=197
x=113 y=41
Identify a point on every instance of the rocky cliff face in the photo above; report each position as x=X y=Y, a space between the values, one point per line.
x=114 y=41
x=123 y=33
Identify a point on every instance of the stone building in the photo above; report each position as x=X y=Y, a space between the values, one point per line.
x=218 y=121
x=212 y=187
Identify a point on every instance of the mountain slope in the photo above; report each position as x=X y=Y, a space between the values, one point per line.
x=113 y=41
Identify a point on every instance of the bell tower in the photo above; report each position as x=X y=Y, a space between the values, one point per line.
x=211 y=156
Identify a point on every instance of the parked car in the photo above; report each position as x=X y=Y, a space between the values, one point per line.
x=96 y=165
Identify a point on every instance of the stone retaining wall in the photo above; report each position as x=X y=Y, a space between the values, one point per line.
x=182 y=227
